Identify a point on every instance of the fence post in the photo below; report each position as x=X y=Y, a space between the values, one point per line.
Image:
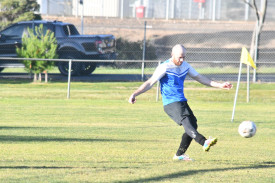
x=69 y=78
x=143 y=55
x=214 y=11
x=167 y=9
x=190 y=9
x=255 y=56
x=121 y=9
x=157 y=98
x=82 y=16
x=246 y=15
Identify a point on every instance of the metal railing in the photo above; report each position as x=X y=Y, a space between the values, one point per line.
x=199 y=65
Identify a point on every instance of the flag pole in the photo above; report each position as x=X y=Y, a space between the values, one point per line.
x=237 y=90
x=246 y=59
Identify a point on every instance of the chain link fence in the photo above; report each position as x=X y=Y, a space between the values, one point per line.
x=213 y=47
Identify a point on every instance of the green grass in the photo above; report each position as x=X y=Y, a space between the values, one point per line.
x=150 y=70
x=96 y=136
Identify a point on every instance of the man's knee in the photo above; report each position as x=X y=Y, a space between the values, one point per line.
x=189 y=127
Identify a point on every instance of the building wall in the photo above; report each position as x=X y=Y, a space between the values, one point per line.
x=101 y=8
x=55 y=7
x=229 y=10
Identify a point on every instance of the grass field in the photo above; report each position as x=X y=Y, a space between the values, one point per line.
x=150 y=70
x=96 y=136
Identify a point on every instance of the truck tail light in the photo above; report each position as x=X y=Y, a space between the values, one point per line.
x=99 y=46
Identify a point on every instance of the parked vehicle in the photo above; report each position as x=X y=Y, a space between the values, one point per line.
x=71 y=45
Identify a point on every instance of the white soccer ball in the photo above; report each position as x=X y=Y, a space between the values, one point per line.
x=247 y=129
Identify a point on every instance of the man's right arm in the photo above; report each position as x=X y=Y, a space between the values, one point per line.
x=147 y=85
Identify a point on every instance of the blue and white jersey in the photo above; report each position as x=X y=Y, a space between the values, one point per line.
x=171 y=79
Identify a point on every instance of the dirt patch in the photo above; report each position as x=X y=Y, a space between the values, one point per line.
x=219 y=34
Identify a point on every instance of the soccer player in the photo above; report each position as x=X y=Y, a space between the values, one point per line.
x=171 y=75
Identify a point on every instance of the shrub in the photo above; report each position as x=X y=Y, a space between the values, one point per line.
x=38 y=45
x=127 y=50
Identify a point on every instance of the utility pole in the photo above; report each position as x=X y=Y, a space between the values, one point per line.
x=82 y=7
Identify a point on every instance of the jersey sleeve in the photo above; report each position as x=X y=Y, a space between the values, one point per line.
x=192 y=72
x=159 y=72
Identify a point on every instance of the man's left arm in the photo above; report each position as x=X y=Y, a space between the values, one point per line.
x=206 y=81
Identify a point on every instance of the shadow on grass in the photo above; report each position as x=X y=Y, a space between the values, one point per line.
x=18 y=127
x=12 y=138
x=172 y=176
x=58 y=78
x=15 y=81
x=34 y=167
x=17 y=138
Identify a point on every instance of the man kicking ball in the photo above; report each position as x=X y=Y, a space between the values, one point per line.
x=171 y=75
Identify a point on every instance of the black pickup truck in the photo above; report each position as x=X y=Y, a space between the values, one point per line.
x=71 y=45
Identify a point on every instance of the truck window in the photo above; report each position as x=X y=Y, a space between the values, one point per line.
x=16 y=31
x=46 y=27
x=70 y=30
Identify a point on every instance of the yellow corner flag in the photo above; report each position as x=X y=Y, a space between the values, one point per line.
x=246 y=58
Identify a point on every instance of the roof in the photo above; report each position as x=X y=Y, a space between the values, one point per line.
x=43 y=22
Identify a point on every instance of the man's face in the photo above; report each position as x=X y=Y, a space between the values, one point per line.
x=178 y=57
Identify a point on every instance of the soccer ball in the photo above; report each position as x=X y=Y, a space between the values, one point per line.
x=247 y=129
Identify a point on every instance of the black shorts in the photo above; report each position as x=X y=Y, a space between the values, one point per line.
x=181 y=113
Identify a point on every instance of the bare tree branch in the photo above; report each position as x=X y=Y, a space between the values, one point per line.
x=260 y=18
x=254 y=5
x=247 y=2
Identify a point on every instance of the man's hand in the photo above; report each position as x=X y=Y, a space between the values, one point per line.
x=226 y=85
x=132 y=99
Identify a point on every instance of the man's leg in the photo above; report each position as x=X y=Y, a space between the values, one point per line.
x=181 y=113
x=206 y=143
x=189 y=122
x=186 y=139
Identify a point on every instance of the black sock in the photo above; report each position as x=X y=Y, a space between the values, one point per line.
x=185 y=142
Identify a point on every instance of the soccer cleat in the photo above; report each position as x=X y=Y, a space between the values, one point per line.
x=183 y=157
x=208 y=143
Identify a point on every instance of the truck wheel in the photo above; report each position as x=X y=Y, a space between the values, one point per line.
x=63 y=67
x=87 y=68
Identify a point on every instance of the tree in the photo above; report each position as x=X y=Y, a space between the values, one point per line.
x=260 y=18
x=38 y=44
x=128 y=50
x=12 y=11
